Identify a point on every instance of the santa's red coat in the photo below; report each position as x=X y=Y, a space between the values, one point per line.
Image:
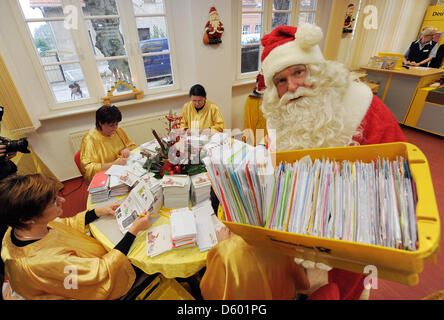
x=378 y=126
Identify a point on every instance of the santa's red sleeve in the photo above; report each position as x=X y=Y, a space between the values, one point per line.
x=378 y=126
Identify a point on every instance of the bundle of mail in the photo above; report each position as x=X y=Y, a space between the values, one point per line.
x=176 y=190
x=200 y=187
x=151 y=146
x=372 y=203
x=128 y=174
x=99 y=187
x=187 y=228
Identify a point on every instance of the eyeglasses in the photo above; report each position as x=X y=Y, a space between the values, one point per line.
x=55 y=202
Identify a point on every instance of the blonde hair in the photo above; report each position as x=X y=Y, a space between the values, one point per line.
x=429 y=31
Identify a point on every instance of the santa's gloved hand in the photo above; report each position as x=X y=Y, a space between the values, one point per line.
x=308 y=264
x=317 y=275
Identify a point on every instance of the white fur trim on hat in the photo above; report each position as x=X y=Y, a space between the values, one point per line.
x=303 y=50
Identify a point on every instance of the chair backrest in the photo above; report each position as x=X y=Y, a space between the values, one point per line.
x=77 y=161
x=437 y=61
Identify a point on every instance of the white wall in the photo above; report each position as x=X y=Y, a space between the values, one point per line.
x=197 y=63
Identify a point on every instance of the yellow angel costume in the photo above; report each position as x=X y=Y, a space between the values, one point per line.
x=66 y=264
x=230 y=263
x=97 y=149
x=207 y=117
x=254 y=118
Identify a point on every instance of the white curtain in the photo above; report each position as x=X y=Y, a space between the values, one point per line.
x=398 y=24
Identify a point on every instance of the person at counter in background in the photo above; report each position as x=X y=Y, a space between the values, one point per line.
x=423 y=50
x=437 y=61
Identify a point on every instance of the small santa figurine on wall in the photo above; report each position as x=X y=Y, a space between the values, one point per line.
x=213 y=28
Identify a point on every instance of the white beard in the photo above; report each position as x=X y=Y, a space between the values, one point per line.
x=317 y=120
x=215 y=22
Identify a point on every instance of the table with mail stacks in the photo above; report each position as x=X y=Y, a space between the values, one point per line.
x=182 y=225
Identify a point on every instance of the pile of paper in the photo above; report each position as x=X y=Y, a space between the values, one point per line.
x=117 y=187
x=183 y=228
x=206 y=233
x=184 y=231
x=99 y=187
x=151 y=146
x=139 y=199
x=243 y=178
x=215 y=140
x=158 y=240
x=200 y=187
x=176 y=191
x=372 y=203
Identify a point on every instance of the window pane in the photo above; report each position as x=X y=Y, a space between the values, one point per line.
x=306 y=17
x=99 y=8
x=250 y=21
x=53 y=41
x=67 y=82
x=250 y=59
x=41 y=9
x=280 y=19
x=106 y=37
x=252 y=5
x=148 y=7
x=152 y=28
x=308 y=5
x=113 y=70
x=251 y=33
x=282 y=4
x=158 y=70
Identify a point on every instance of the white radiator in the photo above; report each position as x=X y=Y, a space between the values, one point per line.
x=139 y=130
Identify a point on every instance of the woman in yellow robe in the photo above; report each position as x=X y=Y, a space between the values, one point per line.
x=201 y=113
x=105 y=145
x=230 y=264
x=47 y=257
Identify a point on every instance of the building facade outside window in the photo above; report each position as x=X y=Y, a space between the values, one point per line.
x=86 y=46
x=263 y=16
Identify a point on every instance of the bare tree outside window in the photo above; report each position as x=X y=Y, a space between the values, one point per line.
x=108 y=38
x=280 y=18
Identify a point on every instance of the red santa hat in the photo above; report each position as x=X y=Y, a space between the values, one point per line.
x=286 y=46
x=212 y=10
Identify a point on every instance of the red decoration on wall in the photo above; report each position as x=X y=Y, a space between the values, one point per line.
x=213 y=28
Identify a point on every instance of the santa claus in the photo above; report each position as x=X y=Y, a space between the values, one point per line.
x=214 y=27
x=308 y=103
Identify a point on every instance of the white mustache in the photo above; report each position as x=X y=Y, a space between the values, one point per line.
x=300 y=92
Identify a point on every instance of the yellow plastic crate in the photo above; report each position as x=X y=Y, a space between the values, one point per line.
x=392 y=264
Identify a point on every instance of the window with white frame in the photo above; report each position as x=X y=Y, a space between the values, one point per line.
x=85 y=46
x=267 y=15
x=307 y=11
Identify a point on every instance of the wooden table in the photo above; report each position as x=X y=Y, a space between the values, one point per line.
x=178 y=263
x=398 y=88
